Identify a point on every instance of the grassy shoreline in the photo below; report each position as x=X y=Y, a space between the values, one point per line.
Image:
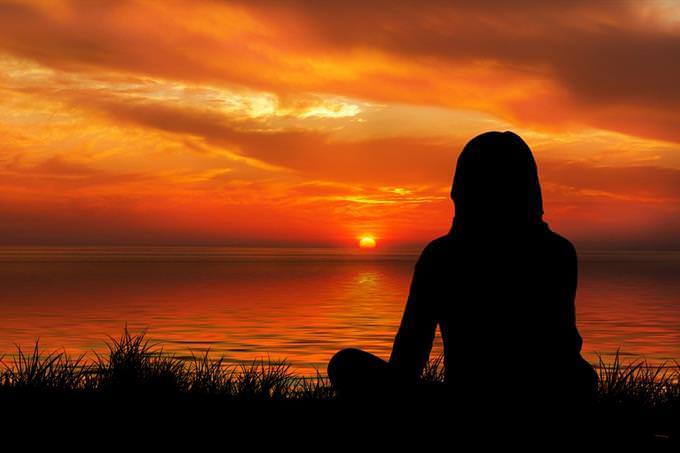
x=136 y=368
x=634 y=399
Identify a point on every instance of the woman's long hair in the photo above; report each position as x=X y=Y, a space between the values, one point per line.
x=495 y=187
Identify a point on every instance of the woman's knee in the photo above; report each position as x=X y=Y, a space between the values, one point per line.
x=341 y=362
x=351 y=367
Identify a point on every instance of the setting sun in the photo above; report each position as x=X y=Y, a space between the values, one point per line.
x=367 y=242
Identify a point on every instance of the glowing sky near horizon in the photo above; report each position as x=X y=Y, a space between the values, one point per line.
x=314 y=123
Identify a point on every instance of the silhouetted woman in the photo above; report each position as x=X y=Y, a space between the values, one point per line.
x=500 y=286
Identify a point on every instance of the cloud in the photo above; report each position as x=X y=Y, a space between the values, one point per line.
x=311 y=153
x=613 y=207
x=654 y=184
x=57 y=172
x=599 y=64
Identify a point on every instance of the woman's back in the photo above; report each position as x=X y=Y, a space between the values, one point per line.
x=497 y=300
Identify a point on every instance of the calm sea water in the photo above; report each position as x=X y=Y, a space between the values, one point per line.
x=299 y=304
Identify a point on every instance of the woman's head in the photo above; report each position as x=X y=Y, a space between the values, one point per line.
x=496 y=183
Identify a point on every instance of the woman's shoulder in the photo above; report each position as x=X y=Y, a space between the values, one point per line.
x=558 y=244
x=551 y=242
x=441 y=246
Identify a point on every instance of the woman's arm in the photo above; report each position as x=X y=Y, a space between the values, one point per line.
x=571 y=339
x=413 y=342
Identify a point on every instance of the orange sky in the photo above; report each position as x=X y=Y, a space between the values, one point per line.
x=313 y=123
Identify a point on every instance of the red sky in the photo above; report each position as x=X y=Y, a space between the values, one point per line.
x=313 y=123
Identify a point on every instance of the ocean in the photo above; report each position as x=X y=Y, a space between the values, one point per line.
x=296 y=304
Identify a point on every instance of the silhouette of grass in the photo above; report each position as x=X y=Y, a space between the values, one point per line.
x=638 y=384
x=135 y=368
x=266 y=380
x=210 y=378
x=434 y=370
x=34 y=372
